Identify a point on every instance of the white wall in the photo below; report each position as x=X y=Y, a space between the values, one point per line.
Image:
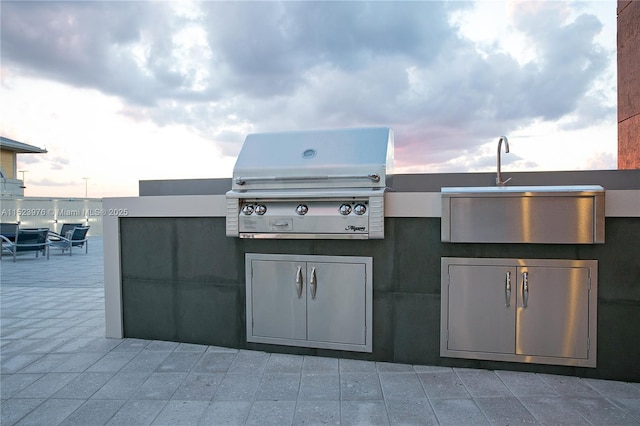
x=42 y=212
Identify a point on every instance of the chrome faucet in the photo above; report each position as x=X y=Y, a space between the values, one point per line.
x=499 y=180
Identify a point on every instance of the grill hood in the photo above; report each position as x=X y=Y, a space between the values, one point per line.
x=346 y=158
x=323 y=168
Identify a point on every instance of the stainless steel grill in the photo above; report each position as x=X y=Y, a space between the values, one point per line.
x=326 y=184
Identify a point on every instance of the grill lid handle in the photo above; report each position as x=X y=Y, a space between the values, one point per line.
x=243 y=180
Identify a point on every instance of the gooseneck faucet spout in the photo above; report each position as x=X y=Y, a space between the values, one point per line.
x=499 y=180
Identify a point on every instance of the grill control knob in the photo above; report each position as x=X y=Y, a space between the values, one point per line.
x=302 y=209
x=247 y=209
x=261 y=209
x=359 y=209
x=345 y=209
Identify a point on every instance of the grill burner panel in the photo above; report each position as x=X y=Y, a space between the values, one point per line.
x=286 y=218
x=322 y=184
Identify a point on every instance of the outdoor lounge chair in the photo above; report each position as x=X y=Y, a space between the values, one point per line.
x=9 y=230
x=77 y=237
x=66 y=227
x=27 y=240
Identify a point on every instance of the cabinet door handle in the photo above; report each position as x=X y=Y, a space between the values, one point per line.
x=299 y=281
x=507 y=289
x=525 y=289
x=313 y=283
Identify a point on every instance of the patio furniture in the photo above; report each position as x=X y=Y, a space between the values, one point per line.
x=66 y=227
x=9 y=230
x=77 y=237
x=27 y=240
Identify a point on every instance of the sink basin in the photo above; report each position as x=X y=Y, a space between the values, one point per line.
x=571 y=214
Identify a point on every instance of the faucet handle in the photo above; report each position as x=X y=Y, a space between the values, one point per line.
x=502 y=183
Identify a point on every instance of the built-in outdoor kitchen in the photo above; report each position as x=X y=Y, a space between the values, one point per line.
x=315 y=246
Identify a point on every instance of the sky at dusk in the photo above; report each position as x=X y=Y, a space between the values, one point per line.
x=120 y=91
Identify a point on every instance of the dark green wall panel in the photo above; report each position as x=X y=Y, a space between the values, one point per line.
x=416 y=255
x=619 y=341
x=149 y=309
x=383 y=326
x=203 y=253
x=417 y=328
x=147 y=248
x=183 y=280
x=209 y=314
x=619 y=260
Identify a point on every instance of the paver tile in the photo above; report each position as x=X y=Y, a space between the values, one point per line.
x=138 y=413
x=58 y=368
x=226 y=413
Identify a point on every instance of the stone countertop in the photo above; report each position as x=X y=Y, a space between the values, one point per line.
x=618 y=203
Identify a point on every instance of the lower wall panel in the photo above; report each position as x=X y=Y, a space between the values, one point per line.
x=149 y=309
x=182 y=288
x=416 y=337
x=184 y=312
x=618 y=346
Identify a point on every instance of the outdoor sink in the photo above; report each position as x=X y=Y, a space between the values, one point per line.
x=572 y=214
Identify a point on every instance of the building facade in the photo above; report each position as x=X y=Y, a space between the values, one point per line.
x=628 y=84
x=10 y=185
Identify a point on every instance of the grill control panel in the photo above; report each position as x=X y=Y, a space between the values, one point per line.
x=359 y=217
x=338 y=218
x=301 y=209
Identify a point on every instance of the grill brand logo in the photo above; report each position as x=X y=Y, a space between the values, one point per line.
x=309 y=153
x=355 y=228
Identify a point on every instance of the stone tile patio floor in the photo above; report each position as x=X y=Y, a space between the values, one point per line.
x=58 y=368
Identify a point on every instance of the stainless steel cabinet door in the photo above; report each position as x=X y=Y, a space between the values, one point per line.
x=277 y=309
x=553 y=312
x=551 y=318
x=482 y=302
x=336 y=302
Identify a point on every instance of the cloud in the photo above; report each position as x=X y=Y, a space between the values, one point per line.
x=602 y=161
x=568 y=61
x=28 y=159
x=119 y=48
x=228 y=68
x=58 y=163
x=54 y=183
